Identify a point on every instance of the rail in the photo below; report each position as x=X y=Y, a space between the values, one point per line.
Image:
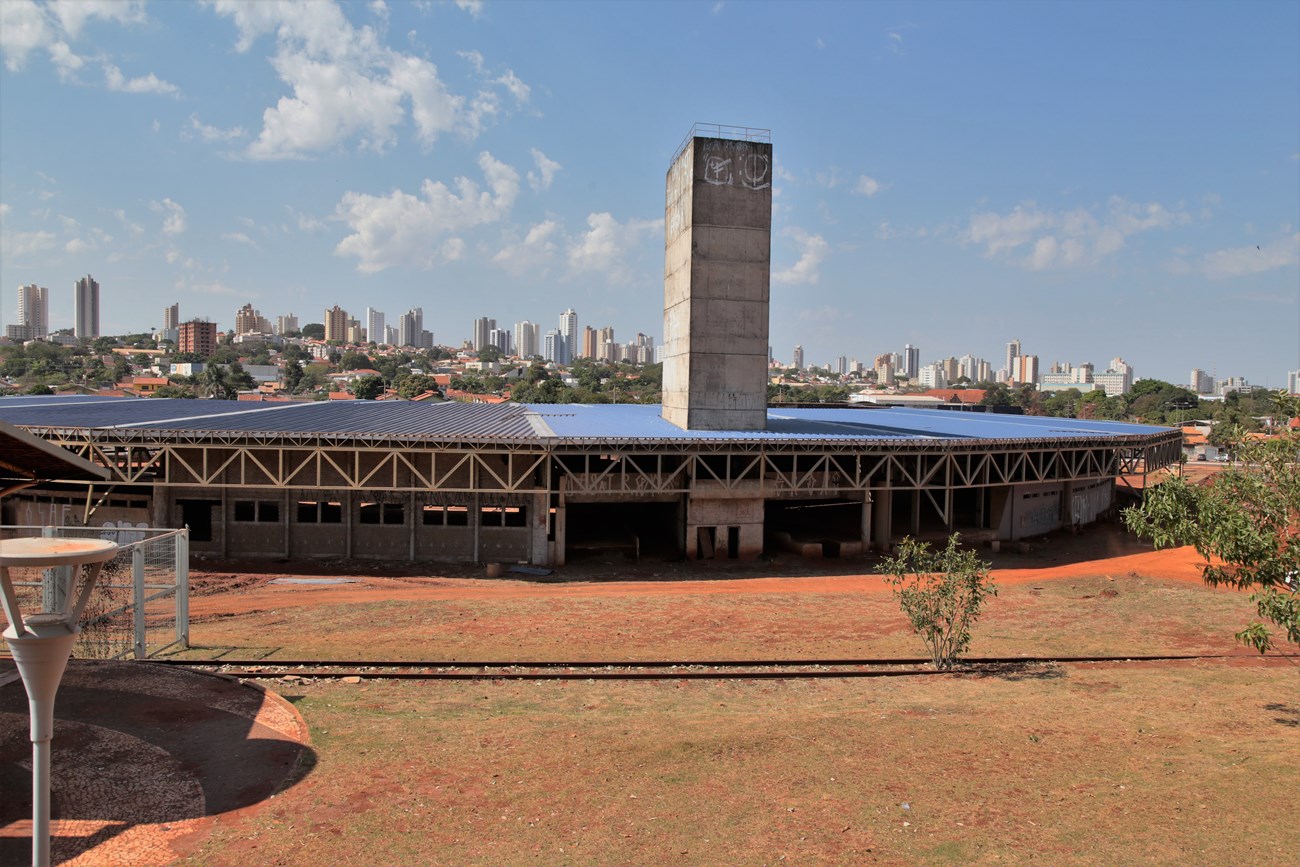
x=721 y=130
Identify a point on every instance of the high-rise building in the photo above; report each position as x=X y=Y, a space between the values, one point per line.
x=482 y=326
x=1013 y=352
x=798 y=358
x=198 y=337
x=34 y=311
x=589 y=342
x=410 y=328
x=569 y=331
x=526 y=339
x=336 y=323
x=553 y=346
x=286 y=324
x=841 y=365
x=171 y=323
x=500 y=338
x=250 y=321
x=1026 y=370
x=1293 y=381
x=87 y=308
x=717 y=271
x=884 y=371
x=911 y=361
x=375 y=332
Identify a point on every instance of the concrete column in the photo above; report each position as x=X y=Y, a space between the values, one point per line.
x=347 y=523
x=866 y=521
x=882 y=518
x=411 y=516
x=916 y=513
x=286 y=523
x=224 y=523
x=559 y=532
x=538 y=554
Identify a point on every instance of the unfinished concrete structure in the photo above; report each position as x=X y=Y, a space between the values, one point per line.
x=717 y=264
x=545 y=483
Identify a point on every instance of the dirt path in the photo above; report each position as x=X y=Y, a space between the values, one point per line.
x=256 y=593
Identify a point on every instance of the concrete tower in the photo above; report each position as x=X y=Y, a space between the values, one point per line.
x=717 y=264
x=86 y=307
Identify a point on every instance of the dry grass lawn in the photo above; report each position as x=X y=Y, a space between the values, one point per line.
x=1187 y=763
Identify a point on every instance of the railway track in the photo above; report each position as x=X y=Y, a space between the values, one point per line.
x=772 y=669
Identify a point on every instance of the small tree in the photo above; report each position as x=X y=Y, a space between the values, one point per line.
x=1245 y=524
x=942 y=594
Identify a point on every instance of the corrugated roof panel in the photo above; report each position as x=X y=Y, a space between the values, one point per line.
x=485 y=422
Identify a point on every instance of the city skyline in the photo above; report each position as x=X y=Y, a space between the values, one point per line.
x=940 y=197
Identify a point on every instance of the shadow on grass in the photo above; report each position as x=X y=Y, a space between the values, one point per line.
x=1290 y=714
x=1014 y=671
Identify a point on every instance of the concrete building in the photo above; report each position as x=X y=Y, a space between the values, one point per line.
x=482 y=326
x=34 y=311
x=553 y=347
x=911 y=361
x=796 y=358
x=1293 y=382
x=250 y=321
x=198 y=337
x=86 y=303
x=526 y=339
x=336 y=324
x=409 y=327
x=286 y=324
x=1200 y=382
x=569 y=331
x=717 y=263
x=376 y=330
x=501 y=339
x=171 y=323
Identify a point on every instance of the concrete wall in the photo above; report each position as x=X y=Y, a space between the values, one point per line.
x=717 y=263
x=717 y=517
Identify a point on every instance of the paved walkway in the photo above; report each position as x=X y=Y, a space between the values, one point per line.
x=144 y=758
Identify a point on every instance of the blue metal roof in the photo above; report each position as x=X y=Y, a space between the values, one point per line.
x=538 y=422
x=638 y=421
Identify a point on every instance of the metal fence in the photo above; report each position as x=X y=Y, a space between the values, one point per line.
x=140 y=606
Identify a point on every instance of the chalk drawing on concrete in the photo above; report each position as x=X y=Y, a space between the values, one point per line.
x=756 y=172
x=717 y=170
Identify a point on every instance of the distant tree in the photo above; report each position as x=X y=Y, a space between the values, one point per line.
x=942 y=594
x=240 y=379
x=292 y=376
x=996 y=394
x=489 y=353
x=368 y=387
x=413 y=385
x=353 y=360
x=39 y=388
x=294 y=352
x=1245 y=525
x=187 y=358
x=314 y=330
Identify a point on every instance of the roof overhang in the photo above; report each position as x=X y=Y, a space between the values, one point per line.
x=26 y=459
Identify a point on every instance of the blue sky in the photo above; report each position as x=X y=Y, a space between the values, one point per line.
x=1094 y=179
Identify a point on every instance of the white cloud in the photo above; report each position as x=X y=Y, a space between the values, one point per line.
x=475 y=58
x=132 y=227
x=173 y=216
x=379 y=9
x=1038 y=240
x=150 y=83
x=606 y=243
x=212 y=133
x=19 y=244
x=517 y=88
x=23 y=29
x=534 y=252
x=346 y=85
x=866 y=186
x=73 y=14
x=65 y=61
x=1256 y=259
x=76 y=245
x=546 y=170
x=812 y=251
x=239 y=238
x=400 y=228
x=473 y=7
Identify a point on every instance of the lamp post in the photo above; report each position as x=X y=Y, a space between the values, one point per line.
x=41 y=644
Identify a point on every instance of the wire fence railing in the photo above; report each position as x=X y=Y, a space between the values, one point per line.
x=140 y=606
